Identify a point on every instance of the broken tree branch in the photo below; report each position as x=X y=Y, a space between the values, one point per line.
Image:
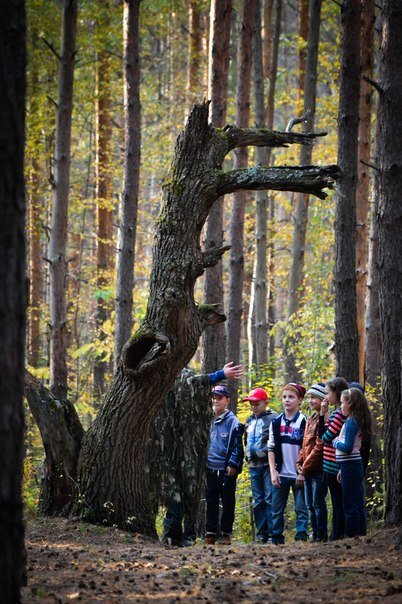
x=303 y=179
x=297 y=120
x=245 y=137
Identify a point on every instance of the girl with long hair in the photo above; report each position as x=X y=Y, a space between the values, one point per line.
x=357 y=428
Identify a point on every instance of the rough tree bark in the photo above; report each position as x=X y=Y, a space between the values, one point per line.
x=236 y=226
x=13 y=295
x=61 y=185
x=213 y=342
x=132 y=155
x=390 y=250
x=61 y=433
x=296 y=276
x=112 y=484
x=346 y=338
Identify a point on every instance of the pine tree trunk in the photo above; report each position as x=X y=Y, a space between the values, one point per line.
x=194 y=53
x=363 y=177
x=301 y=215
x=13 y=298
x=236 y=227
x=213 y=342
x=390 y=250
x=104 y=207
x=61 y=185
x=346 y=337
x=258 y=303
x=132 y=155
x=303 y=30
x=35 y=273
x=375 y=473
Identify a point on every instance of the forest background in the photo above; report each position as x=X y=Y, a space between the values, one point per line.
x=174 y=38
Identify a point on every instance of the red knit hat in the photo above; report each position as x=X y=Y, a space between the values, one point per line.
x=301 y=391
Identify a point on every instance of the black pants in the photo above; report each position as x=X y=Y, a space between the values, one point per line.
x=222 y=487
x=172 y=524
x=338 y=515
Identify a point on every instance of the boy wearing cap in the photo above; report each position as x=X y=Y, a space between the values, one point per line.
x=284 y=444
x=225 y=459
x=309 y=465
x=256 y=438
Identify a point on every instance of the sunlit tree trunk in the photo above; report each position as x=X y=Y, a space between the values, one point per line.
x=303 y=26
x=129 y=202
x=13 y=298
x=363 y=176
x=390 y=249
x=258 y=328
x=194 y=53
x=61 y=186
x=35 y=273
x=267 y=37
x=258 y=297
x=346 y=337
x=213 y=341
x=104 y=208
x=302 y=201
x=236 y=227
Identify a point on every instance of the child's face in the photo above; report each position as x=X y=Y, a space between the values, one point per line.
x=291 y=402
x=345 y=407
x=330 y=396
x=219 y=404
x=314 y=402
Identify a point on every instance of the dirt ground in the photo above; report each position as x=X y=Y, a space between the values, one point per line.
x=70 y=561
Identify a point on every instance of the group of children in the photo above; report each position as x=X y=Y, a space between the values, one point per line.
x=287 y=451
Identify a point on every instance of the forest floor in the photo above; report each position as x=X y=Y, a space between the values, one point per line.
x=70 y=561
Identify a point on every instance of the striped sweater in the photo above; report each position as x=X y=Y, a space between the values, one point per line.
x=336 y=421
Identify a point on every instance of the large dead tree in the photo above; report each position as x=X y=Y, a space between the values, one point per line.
x=112 y=485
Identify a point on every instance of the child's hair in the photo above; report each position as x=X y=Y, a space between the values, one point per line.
x=338 y=385
x=359 y=409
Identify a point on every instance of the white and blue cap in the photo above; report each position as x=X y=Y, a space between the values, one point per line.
x=317 y=390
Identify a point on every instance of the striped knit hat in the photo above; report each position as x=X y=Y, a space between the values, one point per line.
x=317 y=390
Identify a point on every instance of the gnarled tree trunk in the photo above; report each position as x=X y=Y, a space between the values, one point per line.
x=113 y=486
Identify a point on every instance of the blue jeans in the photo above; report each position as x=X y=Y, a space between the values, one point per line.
x=352 y=474
x=261 y=488
x=279 y=501
x=315 y=491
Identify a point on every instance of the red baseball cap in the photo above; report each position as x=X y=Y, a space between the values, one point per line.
x=258 y=394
